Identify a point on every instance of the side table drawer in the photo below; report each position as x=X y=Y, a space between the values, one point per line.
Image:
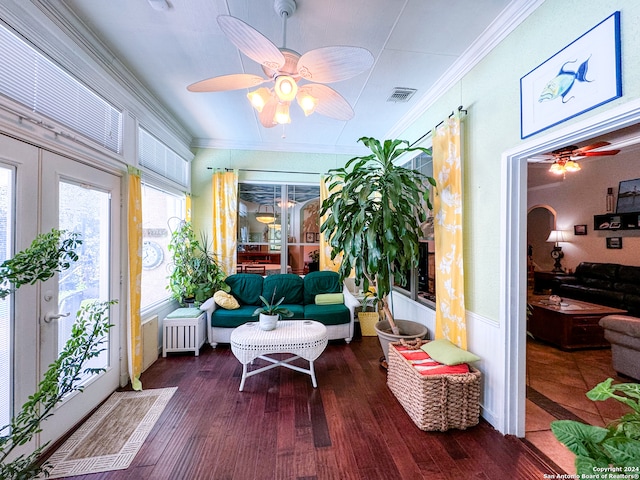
x=184 y=334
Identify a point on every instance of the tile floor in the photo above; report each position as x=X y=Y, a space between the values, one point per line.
x=556 y=385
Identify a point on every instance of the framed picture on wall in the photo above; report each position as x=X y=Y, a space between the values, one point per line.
x=583 y=75
x=309 y=237
x=579 y=229
x=628 y=196
x=614 y=242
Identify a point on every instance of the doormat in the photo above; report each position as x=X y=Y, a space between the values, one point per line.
x=112 y=436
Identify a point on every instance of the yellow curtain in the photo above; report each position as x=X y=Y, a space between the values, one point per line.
x=325 y=249
x=450 y=308
x=134 y=233
x=224 y=186
x=187 y=208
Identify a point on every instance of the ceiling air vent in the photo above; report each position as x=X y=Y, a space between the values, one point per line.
x=401 y=94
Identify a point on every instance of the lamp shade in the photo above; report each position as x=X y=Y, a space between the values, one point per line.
x=266 y=216
x=556 y=236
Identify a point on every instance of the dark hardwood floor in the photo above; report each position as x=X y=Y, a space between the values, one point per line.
x=280 y=427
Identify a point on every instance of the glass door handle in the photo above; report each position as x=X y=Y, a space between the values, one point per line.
x=50 y=316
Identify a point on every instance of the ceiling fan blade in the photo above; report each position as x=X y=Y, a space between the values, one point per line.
x=267 y=114
x=330 y=103
x=223 y=83
x=601 y=153
x=593 y=146
x=251 y=42
x=332 y=64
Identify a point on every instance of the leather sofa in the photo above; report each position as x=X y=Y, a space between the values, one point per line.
x=300 y=297
x=607 y=284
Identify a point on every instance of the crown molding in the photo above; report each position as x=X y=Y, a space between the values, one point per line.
x=512 y=16
x=279 y=147
x=53 y=29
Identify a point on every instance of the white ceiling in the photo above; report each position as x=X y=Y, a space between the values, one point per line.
x=415 y=43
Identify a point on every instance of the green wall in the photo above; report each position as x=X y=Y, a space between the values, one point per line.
x=490 y=93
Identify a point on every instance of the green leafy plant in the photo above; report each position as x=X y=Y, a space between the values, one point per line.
x=374 y=217
x=195 y=273
x=314 y=256
x=599 y=450
x=271 y=308
x=48 y=254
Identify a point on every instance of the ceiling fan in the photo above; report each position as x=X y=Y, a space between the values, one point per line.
x=289 y=72
x=565 y=159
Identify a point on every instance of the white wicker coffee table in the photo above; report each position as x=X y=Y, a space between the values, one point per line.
x=302 y=338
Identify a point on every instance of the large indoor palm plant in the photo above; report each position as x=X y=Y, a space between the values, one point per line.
x=374 y=215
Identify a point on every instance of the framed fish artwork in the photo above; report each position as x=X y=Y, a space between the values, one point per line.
x=582 y=76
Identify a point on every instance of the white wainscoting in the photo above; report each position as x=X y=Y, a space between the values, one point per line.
x=483 y=339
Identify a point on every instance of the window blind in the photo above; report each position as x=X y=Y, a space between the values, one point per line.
x=156 y=156
x=33 y=80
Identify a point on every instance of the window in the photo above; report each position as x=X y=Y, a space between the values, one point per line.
x=265 y=212
x=157 y=157
x=160 y=211
x=36 y=82
x=421 y=282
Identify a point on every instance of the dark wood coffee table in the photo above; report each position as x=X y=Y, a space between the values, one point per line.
x=572 y=325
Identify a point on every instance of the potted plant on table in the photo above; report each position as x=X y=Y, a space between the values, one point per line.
x=314 y=264
x=270 y=313
x=373 y=218
x=195 y=274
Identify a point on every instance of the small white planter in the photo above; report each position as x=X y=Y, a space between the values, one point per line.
x=268 y=322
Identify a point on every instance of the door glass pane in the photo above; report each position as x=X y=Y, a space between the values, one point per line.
x=259 y=228
x=6 y=236
x=303 y=206
x=87 y=211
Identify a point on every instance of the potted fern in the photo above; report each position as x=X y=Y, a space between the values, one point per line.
x=373 y=218
x=271 y=312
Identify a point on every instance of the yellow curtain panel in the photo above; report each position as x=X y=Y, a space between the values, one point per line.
x=134 y=233
x=450 y=308
x=325 y=249
x=224 y=186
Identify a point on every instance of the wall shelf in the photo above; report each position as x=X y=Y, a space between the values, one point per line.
x=617 y=221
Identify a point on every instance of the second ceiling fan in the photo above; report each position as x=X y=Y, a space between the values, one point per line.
x=294 y=76
x=566 y=158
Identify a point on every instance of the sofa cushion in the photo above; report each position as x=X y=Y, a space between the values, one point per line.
x=287 y=285
x=328 y=314
x=233 y=318
x=226 y=300
x=601 y=271
x=329 y=298
x=296 y=308
x=246 y=287
x=316 y=283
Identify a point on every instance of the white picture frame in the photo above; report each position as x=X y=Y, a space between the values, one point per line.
x=580 y=77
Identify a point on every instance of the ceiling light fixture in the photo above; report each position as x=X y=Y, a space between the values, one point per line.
x=564 y=165
x=160 y=5
x=265 y=217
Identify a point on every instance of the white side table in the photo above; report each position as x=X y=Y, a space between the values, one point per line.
x=184 y=330
x=301 y=338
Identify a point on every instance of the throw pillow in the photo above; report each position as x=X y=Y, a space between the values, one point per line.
x=225 y=300
x=443 y=351
x=329 y=298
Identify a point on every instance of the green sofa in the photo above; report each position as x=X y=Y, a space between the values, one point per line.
x=300 y=297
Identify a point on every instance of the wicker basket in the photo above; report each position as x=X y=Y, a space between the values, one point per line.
x=368 y=322
x=435 y=402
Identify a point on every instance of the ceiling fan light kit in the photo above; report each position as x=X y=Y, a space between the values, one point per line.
x=566 y=157
x=289 y=71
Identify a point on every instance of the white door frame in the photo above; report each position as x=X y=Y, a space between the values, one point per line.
x=513 y=234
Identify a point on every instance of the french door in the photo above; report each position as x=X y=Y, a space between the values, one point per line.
x=54 y=191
